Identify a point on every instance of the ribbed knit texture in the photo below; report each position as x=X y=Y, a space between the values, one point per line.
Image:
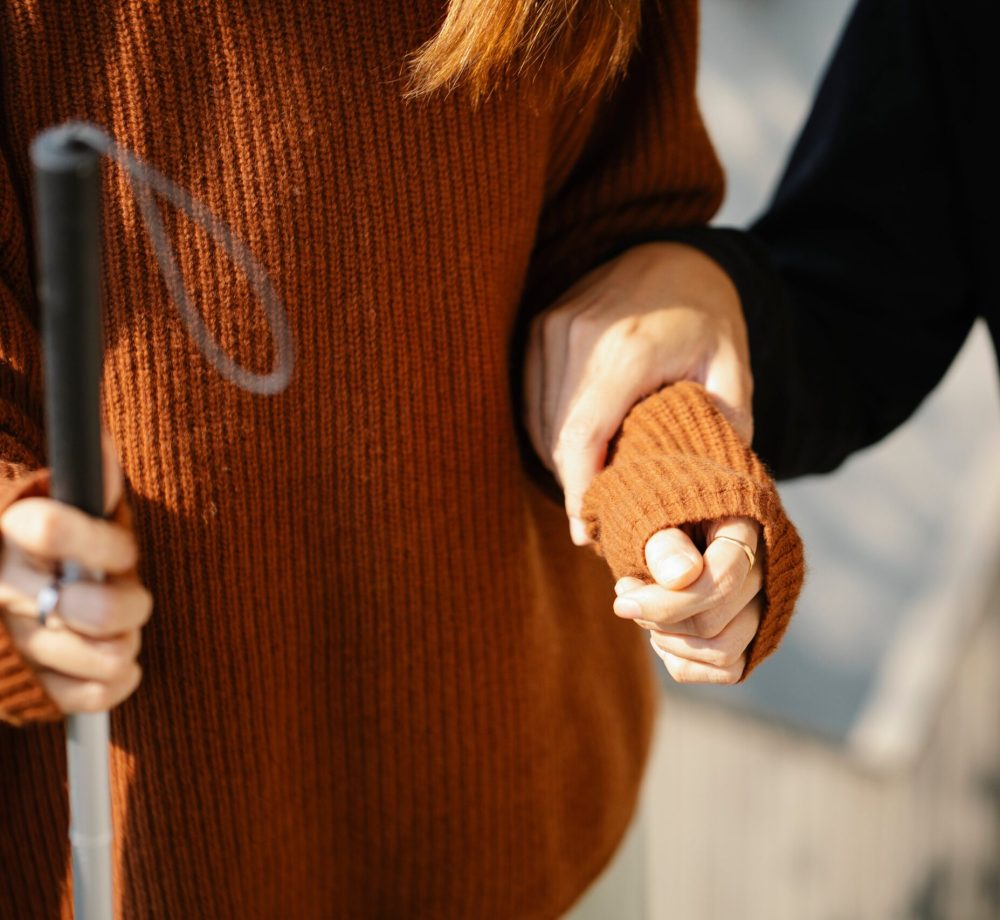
x=677 y=461
x=378 y=681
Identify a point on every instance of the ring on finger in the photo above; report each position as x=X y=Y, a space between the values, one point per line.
x=751 y=556
x=47 y=600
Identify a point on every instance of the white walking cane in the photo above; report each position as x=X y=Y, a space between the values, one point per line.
x=67 y=214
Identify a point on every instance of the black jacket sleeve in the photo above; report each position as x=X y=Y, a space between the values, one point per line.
x=855 y=282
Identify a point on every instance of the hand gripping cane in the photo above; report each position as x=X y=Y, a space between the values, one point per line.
x=67 y=214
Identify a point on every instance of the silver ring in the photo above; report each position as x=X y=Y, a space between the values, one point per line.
x=47 y=600
x=751 y=557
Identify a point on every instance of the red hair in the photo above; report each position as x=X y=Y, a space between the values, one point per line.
x=581 y=45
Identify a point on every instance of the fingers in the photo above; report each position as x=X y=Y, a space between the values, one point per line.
x=66 y=652
x=692 y=672
x=743 y=530
x=722 y=651
x=576 y=394
x=579 y=456
x=51 y=531
x=570 y=450
x=71 y=694
x=626 y=584
x=705 y=607
x=702 y=630
x=86 y=656
x=673 y=559
x=589 y=412
x=578 y=425
x=654 y=314
x=550 y=353
x=534 y=393
x=100 y=610
x=96 y=609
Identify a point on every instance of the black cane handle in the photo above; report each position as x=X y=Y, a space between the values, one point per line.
x=67 y=182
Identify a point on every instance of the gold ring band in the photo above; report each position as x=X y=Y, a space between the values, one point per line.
x=746 y=549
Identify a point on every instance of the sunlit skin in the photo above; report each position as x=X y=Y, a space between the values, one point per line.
x=85 y=655
x=659 y=313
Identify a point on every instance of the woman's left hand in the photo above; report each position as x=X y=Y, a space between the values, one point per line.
x=702 y=621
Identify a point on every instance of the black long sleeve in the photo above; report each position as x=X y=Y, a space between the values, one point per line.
x=861 y=281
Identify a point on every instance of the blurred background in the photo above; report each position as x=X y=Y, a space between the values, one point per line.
x=857 y=773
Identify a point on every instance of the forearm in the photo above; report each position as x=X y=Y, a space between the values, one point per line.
x=856 y=283
x=808 y=411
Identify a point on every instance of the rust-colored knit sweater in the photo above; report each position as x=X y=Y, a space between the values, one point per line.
x=379 y=681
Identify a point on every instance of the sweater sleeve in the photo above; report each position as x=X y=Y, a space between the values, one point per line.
x=22 y=698
x=858 y=282
x=631 y=164
x=677 y=461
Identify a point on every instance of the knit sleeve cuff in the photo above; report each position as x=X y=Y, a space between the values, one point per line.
x=22 y=697
x=677 y=461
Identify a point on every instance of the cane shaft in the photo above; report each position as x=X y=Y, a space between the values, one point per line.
x=90 y=810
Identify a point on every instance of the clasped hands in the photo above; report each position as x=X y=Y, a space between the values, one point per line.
x=657 y=314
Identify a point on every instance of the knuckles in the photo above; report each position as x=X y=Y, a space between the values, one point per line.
x=688 y=672
x=708 y=625
x=52 y=530
x=726 y=583
x=725 y=656
x=583 y=330
x=116 y=658
x=45 y=528
x=95 y=696
x=98 y=696
x=107 y=610
x=101 y=609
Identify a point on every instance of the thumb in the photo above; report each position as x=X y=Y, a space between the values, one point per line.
x=673 y=560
